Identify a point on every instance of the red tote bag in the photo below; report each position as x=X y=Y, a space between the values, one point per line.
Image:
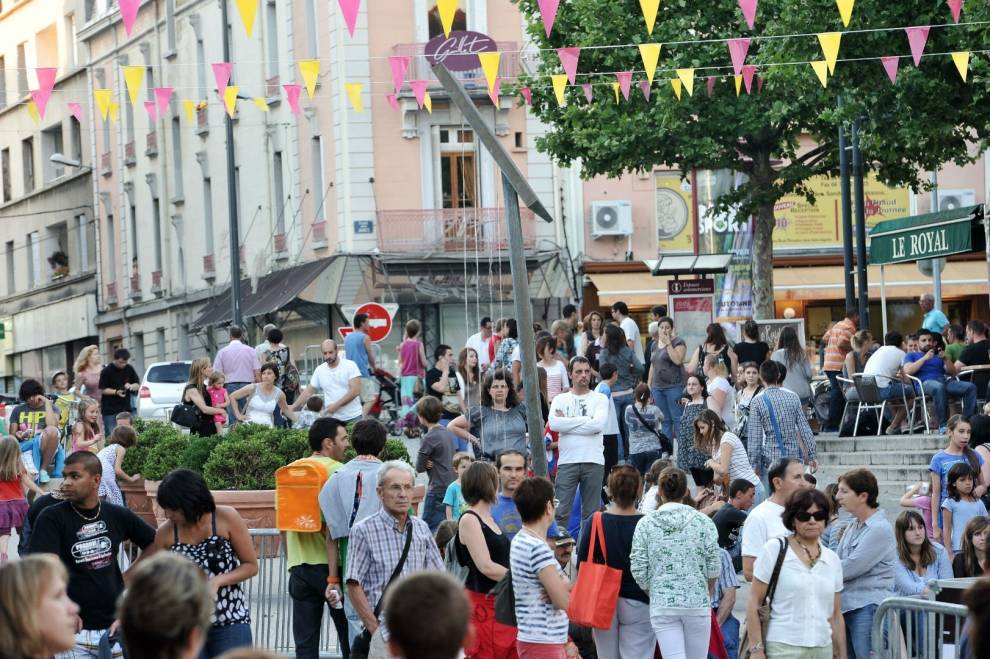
x=596 y=590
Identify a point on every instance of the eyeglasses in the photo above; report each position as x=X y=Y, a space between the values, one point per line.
x=805 y=516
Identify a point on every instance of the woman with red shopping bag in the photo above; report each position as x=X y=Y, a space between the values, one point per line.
x=606 y=541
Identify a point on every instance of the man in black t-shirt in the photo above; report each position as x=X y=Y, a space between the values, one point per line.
x=976 y=353
x=441 y=382
x=118 y=380
x=86 y=534
x=730 y=518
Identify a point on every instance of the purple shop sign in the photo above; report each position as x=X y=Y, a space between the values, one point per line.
x=459 y=51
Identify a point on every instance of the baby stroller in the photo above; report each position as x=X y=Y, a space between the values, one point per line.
x=385 y=408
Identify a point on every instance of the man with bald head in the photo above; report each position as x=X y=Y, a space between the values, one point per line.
x=934 y=320
x=338 y=380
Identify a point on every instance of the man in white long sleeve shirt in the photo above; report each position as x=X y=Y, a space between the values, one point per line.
x=579 y=416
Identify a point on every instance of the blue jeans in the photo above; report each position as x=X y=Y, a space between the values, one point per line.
x=621 y=403
x=227 y=637
x=434 y=511
x=34 y=445
x=643 y=461
x=668 y=400
x=859 y=631
x=109 y=423
x=730 y=633
x=940 y=392
x=231 y=387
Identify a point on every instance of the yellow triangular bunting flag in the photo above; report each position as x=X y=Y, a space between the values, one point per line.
x=559 y=85
x=354 y=90
x=114 y=111
x=830 y=46
x=676 y=84
x=447 y=9
x=230 y=99
x=310 y=70
x=615 y=90
x=489 y=65
x=102 y=97
x=650 y=8
x=962 y=62
x=261 y=103
x=248 y=9
x=33 y=111
x=133 y=78
x=190 y=107
x=687 y=77
x=821 y=70
x=845 y=10
x=428 y=102
x=650 y=52
x=739 y=82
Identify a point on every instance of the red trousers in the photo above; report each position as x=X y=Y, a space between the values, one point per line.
x=493 y=640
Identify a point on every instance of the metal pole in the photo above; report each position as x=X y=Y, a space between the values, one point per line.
x=524 y=322
x=986 y=243
x=233 y=229
x=883 y=299
x=864 y=298
x=936 y=263
x=847 y=229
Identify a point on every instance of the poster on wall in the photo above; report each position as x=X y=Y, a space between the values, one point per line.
x=692 y=315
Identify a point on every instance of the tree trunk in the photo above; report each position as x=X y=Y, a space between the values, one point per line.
x=762 y=255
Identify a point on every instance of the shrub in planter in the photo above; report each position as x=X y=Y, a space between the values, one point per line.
x=291 y=445
x=245 y=463
x=149 y=434
x=165 y=456
x=197 y=452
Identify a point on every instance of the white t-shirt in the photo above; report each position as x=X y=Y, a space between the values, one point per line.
x=333 y=384
x=728 y=411
x=538 y=621
x=763 y=523
x=884 y=363
x=581 y=426
x=631 y=329
x=612 y=425
x=480 y=346
x=515 y=355
x=557 y=379
x=804 y=601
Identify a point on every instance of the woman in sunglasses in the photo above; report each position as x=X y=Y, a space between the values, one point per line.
x=805 y=614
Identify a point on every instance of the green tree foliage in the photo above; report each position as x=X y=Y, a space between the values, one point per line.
x=928 y=118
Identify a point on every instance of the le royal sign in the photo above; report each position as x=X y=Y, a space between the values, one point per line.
x=459 y=51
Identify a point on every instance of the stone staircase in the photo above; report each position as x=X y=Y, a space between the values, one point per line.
x=896 y=461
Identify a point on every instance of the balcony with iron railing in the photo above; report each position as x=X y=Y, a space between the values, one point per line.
x=156 y=281
x=105 y=164
x=135 y=285
x=129 y=153
x=209 y=267
x=111 y=297
x=450 y=230
x=151 y=144
x=202 y=119
x=474 y=81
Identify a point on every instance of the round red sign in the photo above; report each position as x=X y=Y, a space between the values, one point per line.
x=379 y=320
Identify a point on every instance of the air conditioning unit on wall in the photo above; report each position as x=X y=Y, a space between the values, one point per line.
x=952 y=199
x=611 y=218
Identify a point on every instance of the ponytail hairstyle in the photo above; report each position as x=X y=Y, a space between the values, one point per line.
x=642 y=394
x=672 y=485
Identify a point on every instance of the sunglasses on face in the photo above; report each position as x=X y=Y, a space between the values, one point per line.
x=805 y=516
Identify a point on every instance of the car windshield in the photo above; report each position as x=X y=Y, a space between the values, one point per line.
x=169 y=373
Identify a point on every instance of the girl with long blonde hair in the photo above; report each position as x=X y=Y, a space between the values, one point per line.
x=86 y=372
x=37 y=618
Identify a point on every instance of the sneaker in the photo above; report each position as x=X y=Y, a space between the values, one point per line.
x=44 y=477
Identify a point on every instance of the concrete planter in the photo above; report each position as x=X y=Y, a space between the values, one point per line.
x=138 y=501
x=256 y=507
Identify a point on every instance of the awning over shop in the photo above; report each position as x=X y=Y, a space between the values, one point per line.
x=316 y=282
x=690 y=264
x=637 y=289
x=930 y=236
x=903 y=280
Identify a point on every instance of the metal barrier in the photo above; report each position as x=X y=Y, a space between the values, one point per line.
x=906 y=627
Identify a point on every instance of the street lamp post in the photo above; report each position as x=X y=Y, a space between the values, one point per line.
x=233 y=227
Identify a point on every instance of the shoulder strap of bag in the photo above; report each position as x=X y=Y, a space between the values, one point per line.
x=643 y=421
x=398 y=567
x=775 y=577
x=773 y=422
x=597 y=538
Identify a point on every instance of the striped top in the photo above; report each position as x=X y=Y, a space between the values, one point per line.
x=739 y=466
x=538 y=621
x=840 y=332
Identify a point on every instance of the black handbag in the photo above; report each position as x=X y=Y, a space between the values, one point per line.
x=362 y=643
x=186 y=414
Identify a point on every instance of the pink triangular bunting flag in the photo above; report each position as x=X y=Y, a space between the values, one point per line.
x=292 y=95
x=76 y=110
x=586 y=87
x=128 y=14
x=46 y=78
x=646 y=88
x=625 y=81
x=569 y=60
x=400 y=65
x=748 y=8
x=527 y=95
x=548 y=12
x=711 y=85
x=738 y=49
x=748 y=72
x=496 y=91
x=917 y=38
x=350 y=8
x=419 y=89
x=392 y=101
x=221 y=72
x=955 y=6
x=40 y=100
x=163 y=95
x=890 y=65
x=150 y=108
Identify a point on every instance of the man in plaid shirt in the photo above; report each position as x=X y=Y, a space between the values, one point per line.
x=375 y=548
x=795 y=437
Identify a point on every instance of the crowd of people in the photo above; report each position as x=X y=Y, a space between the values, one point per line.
x=682 y=472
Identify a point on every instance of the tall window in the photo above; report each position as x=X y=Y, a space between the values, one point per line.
x=51 y=143
x=208 y=215
x=22 y=76
x=111 y=243
x=133 y=237
x=279 y=192
x=34 y=259
x=458 y=170
x=27 y=162
x=170 y=25
x=156 y=225
x=5 y=175
x=312 y=36
x=11 y=270
x=319 y=186
x=201 y=69
x=177 y=156
x=3 y=83
x=271 y=17
x=75 y=139
x=82 y=229
x=436 y=26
